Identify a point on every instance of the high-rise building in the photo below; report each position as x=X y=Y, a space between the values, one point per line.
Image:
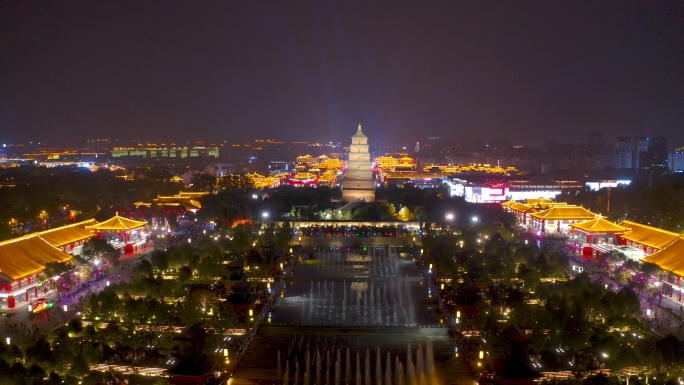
x=623 y=155
x=98 y=144
x=657 y=156
x=675 y=160
x=639 y=150
x=358 y=183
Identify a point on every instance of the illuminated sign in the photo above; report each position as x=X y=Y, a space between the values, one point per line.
x=42 y=306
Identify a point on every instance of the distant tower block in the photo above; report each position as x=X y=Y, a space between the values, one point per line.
x=358 y=184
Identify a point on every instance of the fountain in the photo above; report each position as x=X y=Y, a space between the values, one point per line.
x=420 y=372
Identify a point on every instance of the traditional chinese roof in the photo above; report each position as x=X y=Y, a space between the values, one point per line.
x=560 y=213
x=304 y=176
x=522 y=208
x=191 y=194
x=670 y=258
x=162 y=200
x=117 y=223
x=20 y=257
x=648 y=236
x=68 y=234
x=359 y=134
x=178 y=200
x=599 y=225
x=536 y=201
x=509 y=203
x=548 y=205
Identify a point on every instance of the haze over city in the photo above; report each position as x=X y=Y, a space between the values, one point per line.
x=341 y=192
x=525 y=72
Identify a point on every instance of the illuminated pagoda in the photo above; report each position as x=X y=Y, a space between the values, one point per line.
x=358 y=183
x=122 y=233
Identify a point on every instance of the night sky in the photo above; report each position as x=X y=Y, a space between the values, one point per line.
x=524 y=71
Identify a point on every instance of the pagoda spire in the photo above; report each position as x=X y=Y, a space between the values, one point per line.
x=359 y=126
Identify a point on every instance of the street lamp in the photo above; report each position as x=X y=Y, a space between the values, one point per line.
x=449 y=216
x=474 y=219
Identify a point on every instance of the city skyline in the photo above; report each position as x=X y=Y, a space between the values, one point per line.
x=525 y=73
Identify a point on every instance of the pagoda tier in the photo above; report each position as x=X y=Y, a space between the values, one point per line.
x=358 y=182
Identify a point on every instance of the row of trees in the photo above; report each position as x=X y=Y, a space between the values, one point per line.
x=45 y=198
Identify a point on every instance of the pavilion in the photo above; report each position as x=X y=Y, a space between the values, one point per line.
x=557 y=219
x=122 y=233
x=595 y=233
x=261 y=182
x=304 y=179
x=599 y=231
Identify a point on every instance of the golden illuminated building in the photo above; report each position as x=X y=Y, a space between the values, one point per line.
x=23 y=259
x=186 y=200
x=472 y=168
x=597 y=231
x=650 y=239
x=261 y=182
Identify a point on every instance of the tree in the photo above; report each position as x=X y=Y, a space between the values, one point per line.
x=160 y=259
x=420 y=214
x=55 y=271
x=75 y=325
x=200 y=293
x=672 y=351
x=283 y=236
x=79 y=366
x=143 y=268
x=36 y=371
x=101 y=248
x=39 y=352
x=386 y=211
x=242 y=237
x=184 y=274
x=254 y=257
